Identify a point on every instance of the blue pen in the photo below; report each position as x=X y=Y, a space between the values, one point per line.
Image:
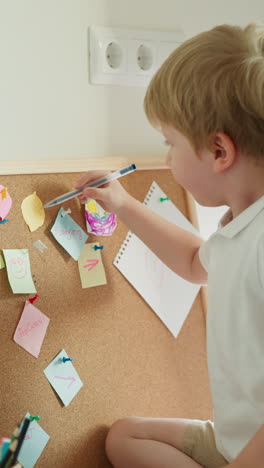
x=97 y=183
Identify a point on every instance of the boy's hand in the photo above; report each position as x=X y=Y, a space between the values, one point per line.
x=111 y=196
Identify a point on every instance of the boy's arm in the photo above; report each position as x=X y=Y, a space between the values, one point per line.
x=253 y=454
x=175 y=246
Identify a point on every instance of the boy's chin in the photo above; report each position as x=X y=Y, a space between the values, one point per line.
x=208 y=203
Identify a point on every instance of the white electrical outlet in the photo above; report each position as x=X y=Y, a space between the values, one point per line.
x=128 y=56
x=145 y=57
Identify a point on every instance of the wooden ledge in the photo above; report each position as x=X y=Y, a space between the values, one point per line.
x=51 y=166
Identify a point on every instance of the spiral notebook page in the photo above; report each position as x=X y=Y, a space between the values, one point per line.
x=170 y=296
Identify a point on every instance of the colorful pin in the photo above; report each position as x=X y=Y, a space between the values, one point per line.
x=33 y=299
x=65 y=359
x=98 y=247
x=34 y=418
x=65 y=212
x=164 y=199
x=3 y=221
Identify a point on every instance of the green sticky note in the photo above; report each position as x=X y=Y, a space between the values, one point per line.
x=2 y=263
x=18 y=271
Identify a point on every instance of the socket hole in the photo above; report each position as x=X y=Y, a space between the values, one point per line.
x=114 y=55
x=144 y=57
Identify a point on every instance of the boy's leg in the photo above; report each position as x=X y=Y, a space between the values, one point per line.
x=148 y=443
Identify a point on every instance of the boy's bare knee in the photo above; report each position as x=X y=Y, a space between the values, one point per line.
x=121 y=429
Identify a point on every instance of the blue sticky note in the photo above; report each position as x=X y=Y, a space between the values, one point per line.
x=33 y=445
x=69 y=234
x=63 y=378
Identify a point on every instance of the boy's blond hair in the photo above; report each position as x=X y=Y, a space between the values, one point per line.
x=213 y=82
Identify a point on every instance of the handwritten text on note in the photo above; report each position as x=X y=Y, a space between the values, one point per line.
x=31 y=329
x=69 y=234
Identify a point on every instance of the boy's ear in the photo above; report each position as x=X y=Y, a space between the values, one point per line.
x=224 y=152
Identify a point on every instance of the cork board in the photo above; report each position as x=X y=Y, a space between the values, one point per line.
x=129 y=362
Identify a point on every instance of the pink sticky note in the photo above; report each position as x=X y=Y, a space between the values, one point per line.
x=31 y=329
x=5 y=202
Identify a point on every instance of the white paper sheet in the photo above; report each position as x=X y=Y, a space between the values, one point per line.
x=170 y=296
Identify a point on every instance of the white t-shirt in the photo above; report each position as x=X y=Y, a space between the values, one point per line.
x=234 y=259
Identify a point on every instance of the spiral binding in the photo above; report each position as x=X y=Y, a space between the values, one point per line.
x=123 y=247
x=130 y=234
x=150 y=192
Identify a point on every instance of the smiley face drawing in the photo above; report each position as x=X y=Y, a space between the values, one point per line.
x=18 y=267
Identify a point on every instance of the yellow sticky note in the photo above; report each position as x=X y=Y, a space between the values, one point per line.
x=2 y=263
x=33 y=211
x=91 y=268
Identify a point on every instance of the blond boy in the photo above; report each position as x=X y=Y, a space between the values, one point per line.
x=208 y=101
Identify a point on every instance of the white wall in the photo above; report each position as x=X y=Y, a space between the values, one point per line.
x=47 y=107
